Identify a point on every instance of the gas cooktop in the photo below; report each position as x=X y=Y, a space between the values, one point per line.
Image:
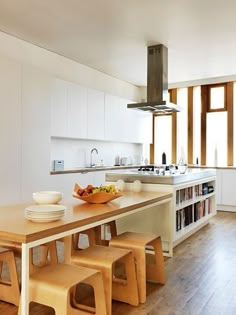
x=147 y=168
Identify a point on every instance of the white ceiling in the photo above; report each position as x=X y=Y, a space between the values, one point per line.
x=112 y=35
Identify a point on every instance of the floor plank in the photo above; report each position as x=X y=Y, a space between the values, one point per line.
x=201 y=277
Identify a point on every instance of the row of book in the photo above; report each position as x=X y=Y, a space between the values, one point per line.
x=202 y=208
x=192 y=213
x=203 y=189
x=184 y=217
x=184 y=194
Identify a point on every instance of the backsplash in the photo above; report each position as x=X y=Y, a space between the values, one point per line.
x=76 y=152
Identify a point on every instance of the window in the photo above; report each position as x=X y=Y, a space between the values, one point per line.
x=163 y=138
x=197 y=124
x=216 y=138
x=217 y=99
x=182 y=122
x=234 y=119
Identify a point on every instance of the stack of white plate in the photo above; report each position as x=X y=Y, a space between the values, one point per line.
x=44 y=213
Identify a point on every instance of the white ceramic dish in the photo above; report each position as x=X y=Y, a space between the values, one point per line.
x=44 y=213
x=47 y=197
x=45 y=208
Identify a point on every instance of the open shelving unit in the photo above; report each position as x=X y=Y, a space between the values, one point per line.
x=194 y=203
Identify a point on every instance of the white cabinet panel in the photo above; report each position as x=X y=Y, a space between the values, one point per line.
x=218 y=187
x=77 y=111
x=138 y=125
x=36 y=142
x=143 y=127
x=228 y=184
x=113 y=119
x=59 y=121
x=96 y=112
x=124 y=124
x=10 y=131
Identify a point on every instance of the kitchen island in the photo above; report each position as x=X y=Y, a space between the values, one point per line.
x=79 y=217
x=193 y=203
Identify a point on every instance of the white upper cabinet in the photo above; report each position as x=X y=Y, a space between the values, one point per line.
x=59 y=121
x=84 y=113
x=143 y=126
x=77 y=111
x=96 y=114
x=113 y=119
x=68 y=110
x=126 y=125
x=10 y=131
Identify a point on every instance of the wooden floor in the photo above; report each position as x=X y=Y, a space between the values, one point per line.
x=201 y=277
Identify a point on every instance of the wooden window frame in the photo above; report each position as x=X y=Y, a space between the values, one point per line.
x=209 y=87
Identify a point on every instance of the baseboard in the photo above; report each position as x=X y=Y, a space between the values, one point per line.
x=226 y=208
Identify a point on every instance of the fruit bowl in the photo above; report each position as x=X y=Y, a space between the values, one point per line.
x=96 y=197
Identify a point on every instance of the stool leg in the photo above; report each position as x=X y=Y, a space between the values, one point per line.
x=156 y=272
x=140 y=258
x=10 y=292
x=50 y=248
x=91 y=234
x=128 y=291
x=99 y=293
x=107 y=278
x=100 y=232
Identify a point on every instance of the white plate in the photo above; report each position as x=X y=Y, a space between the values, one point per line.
x=44 y=213
x=45 y=208
x=45 y=216
x=44 y=220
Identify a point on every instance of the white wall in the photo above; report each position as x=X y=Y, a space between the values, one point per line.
x=65 y=68
x=76 y=153
x=26 y=74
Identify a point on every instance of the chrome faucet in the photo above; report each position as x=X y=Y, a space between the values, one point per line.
x=91 y=156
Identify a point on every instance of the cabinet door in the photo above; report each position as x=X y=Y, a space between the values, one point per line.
x=124 y=124
x=96 y=112
x=59 y=123
x=10 y=131
x=36 y=141
x=218 y=186
x=113 y=119
x=228 y=183
x=77 y=111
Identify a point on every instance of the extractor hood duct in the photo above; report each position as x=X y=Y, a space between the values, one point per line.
x=157 y=83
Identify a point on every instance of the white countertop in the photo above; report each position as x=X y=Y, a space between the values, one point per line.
x=153 y=178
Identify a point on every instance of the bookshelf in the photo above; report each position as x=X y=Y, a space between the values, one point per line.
x=194 y=205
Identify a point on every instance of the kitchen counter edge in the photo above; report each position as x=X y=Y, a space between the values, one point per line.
x=94 y=169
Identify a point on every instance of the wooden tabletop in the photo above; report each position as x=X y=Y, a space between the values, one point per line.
x=14 y=227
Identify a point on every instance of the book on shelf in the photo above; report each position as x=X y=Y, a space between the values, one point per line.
x=184 y=194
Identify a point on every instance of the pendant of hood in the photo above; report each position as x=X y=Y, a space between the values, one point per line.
x=157 y=83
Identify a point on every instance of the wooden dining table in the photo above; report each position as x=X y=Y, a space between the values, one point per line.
x=79 y=216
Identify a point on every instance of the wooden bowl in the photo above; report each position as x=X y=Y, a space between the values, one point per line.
x=99 y=197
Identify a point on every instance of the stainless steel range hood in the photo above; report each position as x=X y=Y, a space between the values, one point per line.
x=157 y=83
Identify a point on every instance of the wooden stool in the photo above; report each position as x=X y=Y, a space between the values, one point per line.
x=137 y=242
x=101 y=232
x=54 y=285
x=91 y=235
x=48 y=252
x=9 y=290
x=96 y=235
x=104 y=258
